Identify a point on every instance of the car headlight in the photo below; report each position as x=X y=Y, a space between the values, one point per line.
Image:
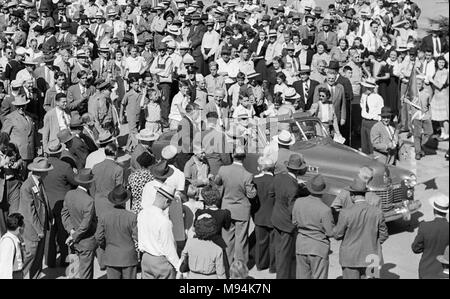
x=411 y=181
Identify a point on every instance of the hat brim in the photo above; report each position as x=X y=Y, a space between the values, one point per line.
x=302 y=167
x=368 y=85
x=48 y=151
x=168 y=174
x=32 y=167
x=286 y=143
x=107 y=140
x=20 y=103
x=76 y=179
x=431 y=201
x=120 y=202
x=312 y=191
x=350 y=189
x=140 y=137
x=441 y=259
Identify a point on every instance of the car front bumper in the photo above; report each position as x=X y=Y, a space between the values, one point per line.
x=403 y=210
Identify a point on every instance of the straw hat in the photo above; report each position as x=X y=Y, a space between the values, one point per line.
x=40 y=164
x=285 y=138
x=20 y=100
x=84 y=176
x=439 y=202
x=169 y=152
x=369 y=82
x=166 y=191
x=147 y=135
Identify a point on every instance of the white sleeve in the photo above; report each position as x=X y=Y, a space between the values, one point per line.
x=7 y=249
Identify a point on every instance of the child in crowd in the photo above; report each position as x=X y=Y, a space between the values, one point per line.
x=244 y=107
x=281 y=84
x=153 y=112
x=237 y=89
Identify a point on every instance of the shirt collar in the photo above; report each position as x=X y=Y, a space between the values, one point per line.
x=292 y=175
x=237 y=163
x=36 y=179
x=82 y=188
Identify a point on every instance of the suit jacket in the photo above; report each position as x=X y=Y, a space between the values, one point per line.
x=187 y=130
x=42 y=85
x=58 y=181
x=380 y=137
x=78 y=213
x=309 y=55
x=21 y=132
x=303 y=103
x=6 y=108
x=362 y=229
x=338 y=99
x=265 y=200
x=80 y=151
x=34 y=207
x=195 y=36
x=214 y=142
x=306 y=34
x=107 y=175
x=431 y=240
x=49 y=100
x=348 y=89
x=35 y=106
x=314 y=221
x=427 y=43
x=90 y=137
x=253 y=47
x=286 y=191
x=50 y=129
x=238 y=187
x=331 y=40
x=75 y=102
x=116 y=233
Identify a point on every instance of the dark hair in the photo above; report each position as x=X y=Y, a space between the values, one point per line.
x=282 y=76
x=60 y=74
x=347 y=68
x=183 y=83
x=441 y=57
x=326 y=91
x=205 y=228
x=211 y=195
x=81 y=74
x=133 y=80
x=111 y=149
x=240 y=75
x=428 y=49
x=212 y=114
x=60 y=96
x=145 y=160
x=14 y=221
x=322 y=43
x=373 y=22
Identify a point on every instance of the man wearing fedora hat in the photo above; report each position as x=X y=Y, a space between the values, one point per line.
x=434 y=41
x=315 y=223
x=78 y=94
x=361 y=236
x=433 y=238
x=287 y=190
x=160 y=259
x=76 y=150
x=6 y=106
x=21 y=129
x=34 y=206
x=305 y=88
x=284 y=139
x=57 y=183
x=80 y=221
x=116 y=234
x=384 y=138
x=55 y=120
x=85 y=141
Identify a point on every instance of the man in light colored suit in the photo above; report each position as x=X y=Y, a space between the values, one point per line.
x=384 y=138
x=78 y=216
x=238 y=189
x=314 y=222
x=337 y=95
x=78 y=95
x=217 y=106
x=55 y=120
x=20 y=128
x=35 y=208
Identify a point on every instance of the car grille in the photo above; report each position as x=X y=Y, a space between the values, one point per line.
x=391 y=195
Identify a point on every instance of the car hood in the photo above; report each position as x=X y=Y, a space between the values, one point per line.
x=343 y=162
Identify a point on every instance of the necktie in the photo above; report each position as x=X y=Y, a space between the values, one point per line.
x=367 y=104
x=331 y=93
x=437 y=47
x=47 y=206
x=363 y=30
x=306 y=92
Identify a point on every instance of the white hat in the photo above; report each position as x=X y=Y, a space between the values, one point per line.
x=291 y=94
x=199 y=77
x=166 y=191
x=285 y=138
x=16 y=84
x=189 y=10
x=147 y=135
x=439 y=202
x=172 y=44
x=172 y=29
x=21 y=51
x=188 y=59
x=184 y=45
x=169 y=151
x=369 y=82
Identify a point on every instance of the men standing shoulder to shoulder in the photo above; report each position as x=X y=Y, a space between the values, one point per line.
x=432 y=238
x=35 y=208
x=78 y=216
x=117 y=234
x=287 y=190
x=362 y=229
x=315 y=224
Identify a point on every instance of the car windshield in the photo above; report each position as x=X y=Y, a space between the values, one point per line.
x=303 y=129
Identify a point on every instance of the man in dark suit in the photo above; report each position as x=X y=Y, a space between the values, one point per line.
x=305 y=88
x=434 y=41
x=117 y=234
x=80 y=221
x=198 y=29
x=348 y=96
x=35 y=208
x=77 y=128
x=314 y=221
x=362 y=229
x=432 y=238
x=78 y=95
x=264 y=233
x=75 y=146
x=337 y=96
x=326 y=35
x=287 y=190
x=238 y=188
x=57 y=183
x=188 y=133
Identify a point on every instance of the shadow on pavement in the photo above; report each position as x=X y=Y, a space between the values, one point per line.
x=400 y=226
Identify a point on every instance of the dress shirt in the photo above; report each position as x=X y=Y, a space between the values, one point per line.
x=95 y=157
x=356 y=78
x=211 y=41
x=273 y=50
x=204 y=257
x=225 y=67
x=134 y=65
x=259 y=47
x=429 y=69
x=11 y=258
x=370 y=41
x=63 y=119
x=239 y=65
x=375 y=102
x=178 y=99
x=155 y=235
x=149 y=193
x=437 y=47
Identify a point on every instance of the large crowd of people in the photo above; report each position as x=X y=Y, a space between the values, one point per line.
x=78 y=75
